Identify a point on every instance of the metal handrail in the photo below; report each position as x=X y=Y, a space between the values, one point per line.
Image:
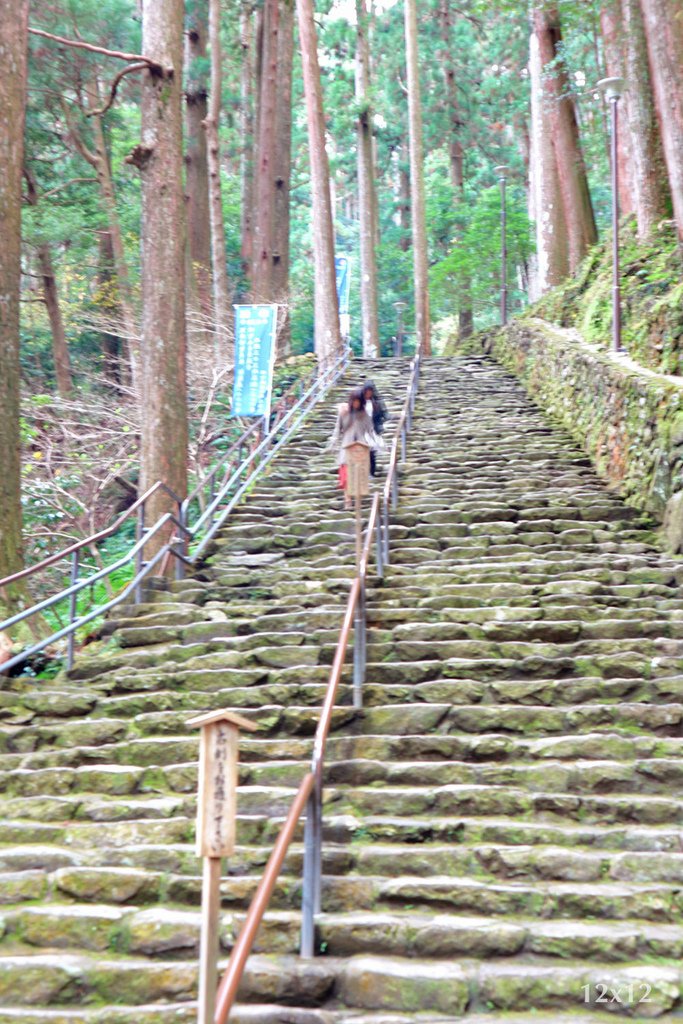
x=94 y=539
x=309 y=793
x=178 y=545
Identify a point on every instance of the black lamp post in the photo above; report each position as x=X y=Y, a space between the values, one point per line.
x=501 y=171
x=612 y=89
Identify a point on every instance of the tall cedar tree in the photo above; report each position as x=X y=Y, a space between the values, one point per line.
x=571 y=169
x=164 y=428
x=221 y=295
x=417 y=184
x=60 y=349
x=456 y=156
x=367 y=197
x=196 y=160
x=613 y=46
x=651 y=195
x=282 y=167
x=262 y=266
x=13 y=72
x=328 y=343
x=552 y=244
x=247 y=104
x=664 y=32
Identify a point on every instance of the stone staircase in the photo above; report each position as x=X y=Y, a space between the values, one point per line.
x=503 y=829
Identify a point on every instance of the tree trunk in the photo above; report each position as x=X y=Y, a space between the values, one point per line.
x=651 y=193
x=455 y=153
x=164 y=432
x=196 y=163
x=60 y=350
x=552 y=243
x=111 y=343
x=13 y=46
x=283 y=173
x=247 y=132
x=328 y=343
x=664 y=33
x=613 y=38
x=262 y=265
x=366 y=188
x=99 y=160
x=221 y=293
x=404 y=195
x=417 y=190
x=131 y=329
x=576 y=200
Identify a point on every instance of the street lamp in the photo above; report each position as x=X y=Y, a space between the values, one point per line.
x=399 y=307
x=501 y=171
x=612 y=88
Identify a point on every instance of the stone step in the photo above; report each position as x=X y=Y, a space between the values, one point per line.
x=654 y=776
x=394 y=983
x=162 y=932
x=480 y=747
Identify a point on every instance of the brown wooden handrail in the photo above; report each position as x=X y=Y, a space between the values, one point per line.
x=227 y=990
x=322 y=732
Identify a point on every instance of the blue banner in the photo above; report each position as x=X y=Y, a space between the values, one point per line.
x=255 y=328
x=342 y=268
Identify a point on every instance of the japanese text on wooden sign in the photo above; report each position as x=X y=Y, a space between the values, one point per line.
x=255 y=328
x=218 y=782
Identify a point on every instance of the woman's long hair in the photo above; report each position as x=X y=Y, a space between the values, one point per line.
x=357 y=395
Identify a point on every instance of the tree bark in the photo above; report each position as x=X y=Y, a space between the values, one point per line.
x=60 y=349
x=328 y=343
x=552 y=243
x=111 y=343
x=283 y=174
x=196 y=161
x=221 y=292
x=366 y=188
x=13 y=46
x=664 y=33
x=247 y=132
x=164 y=432
x=417 y=190
x=649 y=184
x=404 y=195
x=98 y=158
x=576 y=200
x=262 y=265
x=456 y=162
x=612 y=31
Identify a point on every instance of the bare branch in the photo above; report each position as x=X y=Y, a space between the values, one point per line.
x=140 y=66
x=79 y=45
x=66 y=184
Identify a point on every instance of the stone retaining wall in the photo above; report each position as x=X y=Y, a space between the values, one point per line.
x=628 y=419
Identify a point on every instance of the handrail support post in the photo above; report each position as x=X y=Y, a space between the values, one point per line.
x=73 y=599
x=311 y=888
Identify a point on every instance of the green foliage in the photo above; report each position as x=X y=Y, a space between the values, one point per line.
x=652 y=298
x=470 y=274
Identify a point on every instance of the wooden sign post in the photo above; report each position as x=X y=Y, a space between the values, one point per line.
x=216 y=814
x=358 y=484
